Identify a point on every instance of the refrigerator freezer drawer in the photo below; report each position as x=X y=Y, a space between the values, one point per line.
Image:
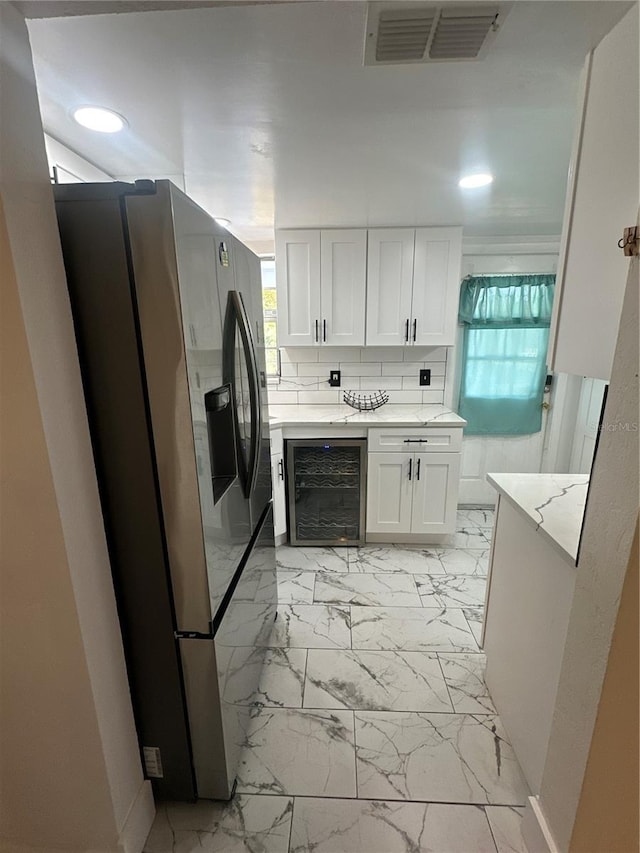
x=214 y=773
x=222 y=675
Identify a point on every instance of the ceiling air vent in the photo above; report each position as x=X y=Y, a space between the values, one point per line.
x=416 y=32
x=403 y=35
x=460 y=33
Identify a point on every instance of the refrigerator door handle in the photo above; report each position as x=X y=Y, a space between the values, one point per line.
x=242 y=320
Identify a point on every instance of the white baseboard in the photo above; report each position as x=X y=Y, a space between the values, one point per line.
x=281 y=539
x=535 y=830
x=138 y=823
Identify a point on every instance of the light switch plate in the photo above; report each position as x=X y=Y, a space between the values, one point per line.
x=425 y=377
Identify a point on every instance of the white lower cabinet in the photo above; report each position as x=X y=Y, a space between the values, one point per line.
x=413 y=477
x=412 y=492
x=389 y=493
x=278 y=481
x=435 y=492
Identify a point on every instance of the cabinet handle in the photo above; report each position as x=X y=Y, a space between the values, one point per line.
x=406 y=331
x=410 y=464
x=324 y=331
x=418 y=469
x=281 y=469
x=416 y=441
x=415 y=330
x=317 y=332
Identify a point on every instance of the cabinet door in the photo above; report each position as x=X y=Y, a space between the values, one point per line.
x=435 y=492
x=279 y=497
x=389 y=283
x=389 y=492
x=298 y=287
x=602 y=199
x=436 y=286
x=343 y=267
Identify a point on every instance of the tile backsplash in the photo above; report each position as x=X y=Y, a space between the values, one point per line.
x=305 y=374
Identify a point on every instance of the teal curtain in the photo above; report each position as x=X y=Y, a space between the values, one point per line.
x=506 y=321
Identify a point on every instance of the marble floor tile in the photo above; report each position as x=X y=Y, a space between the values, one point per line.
x=312 y=559
x=374 y=680
x=451 y=590
x=161 y=838
x=293 y=587
x=483 y=518
x=458 y=758
x=246 y=823
x=411 y=629
x=464 y=561
x=468 y=537
x=372 y=559
x=311 y=626
x=464 y=675
x=475 y=620
x=282 y=680
x=246 y=623
x=299 y=752
x=359 y=826
x=505 y=823
x=384 y=590
x=278 y=674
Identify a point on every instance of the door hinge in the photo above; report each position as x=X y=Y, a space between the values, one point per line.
x=630 y=241
x=192 y=635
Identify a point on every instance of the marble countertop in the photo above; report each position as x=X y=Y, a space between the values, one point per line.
x=552 y=503
x=388 y=415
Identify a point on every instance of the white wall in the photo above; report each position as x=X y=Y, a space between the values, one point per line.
x=501 y=454
x=305 y=374
x=72 y=168
x=586 y=431
x=73 y=751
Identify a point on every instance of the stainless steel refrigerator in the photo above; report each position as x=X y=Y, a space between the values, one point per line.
x=167 y=313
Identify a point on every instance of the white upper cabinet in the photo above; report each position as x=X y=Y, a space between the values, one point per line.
x=436 y=286
x=343 y=282
x=402 y=282
x=298 y=287
x=602 y=199
x=321 y=282
x=413 y=286
x=389 y=286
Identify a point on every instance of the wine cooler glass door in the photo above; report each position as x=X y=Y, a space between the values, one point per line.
x=326 y=491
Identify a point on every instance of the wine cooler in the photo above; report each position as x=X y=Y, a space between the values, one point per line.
x=326 y=491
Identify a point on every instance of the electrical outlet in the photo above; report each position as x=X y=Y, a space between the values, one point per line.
x=425 y=377
x=334 y=378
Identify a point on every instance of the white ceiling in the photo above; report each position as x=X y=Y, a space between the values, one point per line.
x=265 y=114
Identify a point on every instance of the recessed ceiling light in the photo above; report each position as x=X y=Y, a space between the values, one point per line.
x=222 y=221
x=100 y=119
x=471 y=182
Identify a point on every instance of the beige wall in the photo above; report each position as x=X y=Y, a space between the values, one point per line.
x=45 y=682
x=607 y=817
x=71 y=772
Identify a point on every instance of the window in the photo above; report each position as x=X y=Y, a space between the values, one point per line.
x=506 y=321
x=270 y=310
